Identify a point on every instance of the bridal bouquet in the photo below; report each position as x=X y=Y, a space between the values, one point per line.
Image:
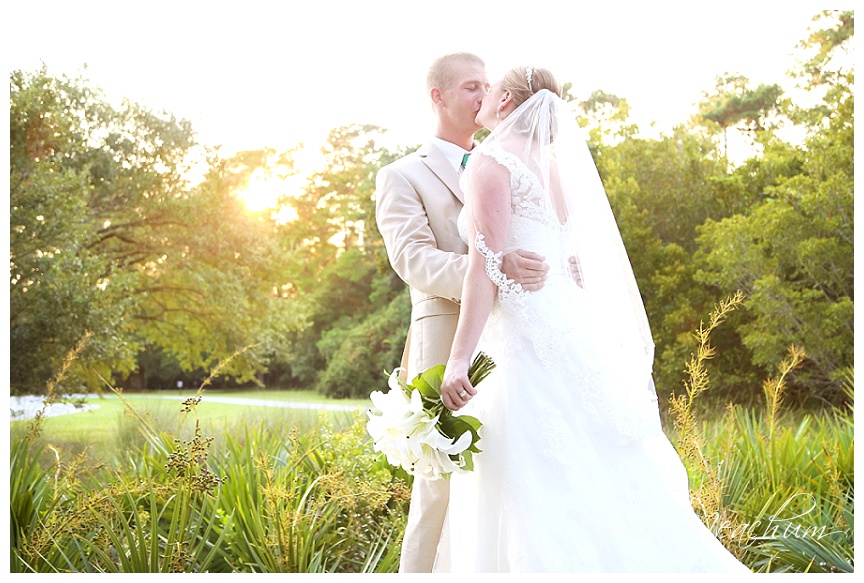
x=414 y=429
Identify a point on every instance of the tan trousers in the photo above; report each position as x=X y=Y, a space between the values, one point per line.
x=428 y=344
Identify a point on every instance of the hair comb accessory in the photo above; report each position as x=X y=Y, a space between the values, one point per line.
x=529 y=74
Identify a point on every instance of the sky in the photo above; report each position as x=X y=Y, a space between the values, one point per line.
x=277 y=74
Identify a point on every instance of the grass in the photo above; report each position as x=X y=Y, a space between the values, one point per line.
x=267 y=496
x=269 y=499
x=110 y=431
x=775 y=487
x=195 y=486
x=146 y=484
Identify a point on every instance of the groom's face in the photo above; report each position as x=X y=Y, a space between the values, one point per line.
x=463 y=98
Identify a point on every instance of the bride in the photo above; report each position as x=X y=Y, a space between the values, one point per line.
x=576 y=474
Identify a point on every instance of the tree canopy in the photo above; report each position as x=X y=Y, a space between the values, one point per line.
x=110 y=235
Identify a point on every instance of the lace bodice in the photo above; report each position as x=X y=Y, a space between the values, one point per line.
x=534 y=225
x=550 y=322
x=528 y=197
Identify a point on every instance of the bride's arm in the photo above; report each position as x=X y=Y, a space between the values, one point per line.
x=489 y=216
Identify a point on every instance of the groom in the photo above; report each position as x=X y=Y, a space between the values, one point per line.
x=418 y=200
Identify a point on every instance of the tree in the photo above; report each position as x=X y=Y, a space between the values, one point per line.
x=107 y=236
x=342 y=273
x=661 y=190
x=793 y=253
x=605 y=116
x=219 y=287
x=735 y=104
x=828 y=64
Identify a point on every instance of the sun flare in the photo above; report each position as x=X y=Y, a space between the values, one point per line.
x=273 y=191
x=262 y=192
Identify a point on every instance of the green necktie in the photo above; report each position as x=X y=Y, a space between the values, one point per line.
x=465 y=159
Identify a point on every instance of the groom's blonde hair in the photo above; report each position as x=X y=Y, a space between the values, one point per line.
x=442 y=73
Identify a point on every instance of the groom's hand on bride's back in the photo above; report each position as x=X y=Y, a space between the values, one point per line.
x=525 y=268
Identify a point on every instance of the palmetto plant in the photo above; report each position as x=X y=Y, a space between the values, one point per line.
x=776 y=488
x=270 y=500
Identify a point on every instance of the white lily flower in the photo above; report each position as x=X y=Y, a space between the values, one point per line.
x=393 y=381
x=401 y=426
x=408 y=434
x=435 y=455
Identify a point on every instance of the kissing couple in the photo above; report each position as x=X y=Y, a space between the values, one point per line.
x=510 y=247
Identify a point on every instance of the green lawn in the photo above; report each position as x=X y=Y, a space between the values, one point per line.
x=112 y=429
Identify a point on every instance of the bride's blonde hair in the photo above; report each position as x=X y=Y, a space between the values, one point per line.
x=516 y=81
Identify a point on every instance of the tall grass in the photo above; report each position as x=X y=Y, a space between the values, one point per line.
x=776 y=487
x=269 y=499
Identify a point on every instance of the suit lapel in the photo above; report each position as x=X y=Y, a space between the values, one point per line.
x=438 y=163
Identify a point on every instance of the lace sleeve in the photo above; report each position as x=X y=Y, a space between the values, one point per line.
x=507 y=288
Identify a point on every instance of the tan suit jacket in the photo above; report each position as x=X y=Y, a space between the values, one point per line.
x=417 y=205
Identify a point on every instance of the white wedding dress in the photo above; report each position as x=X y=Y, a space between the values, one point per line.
x=575 y=474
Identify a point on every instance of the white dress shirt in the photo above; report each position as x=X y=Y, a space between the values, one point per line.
x=452 y=152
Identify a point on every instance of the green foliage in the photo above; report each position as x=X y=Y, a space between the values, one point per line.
x=825 y=65
x=790 y=491
x=778 y=493
x=793 y=255
x=735 y=103
x=32 y=494
x=661 y=191
x=357 y=353
x=777 y=227
x=673 y=181
x=357 y=309
x=269 y=500
x=605 y=116
x=107 y=236
x=55 y=276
